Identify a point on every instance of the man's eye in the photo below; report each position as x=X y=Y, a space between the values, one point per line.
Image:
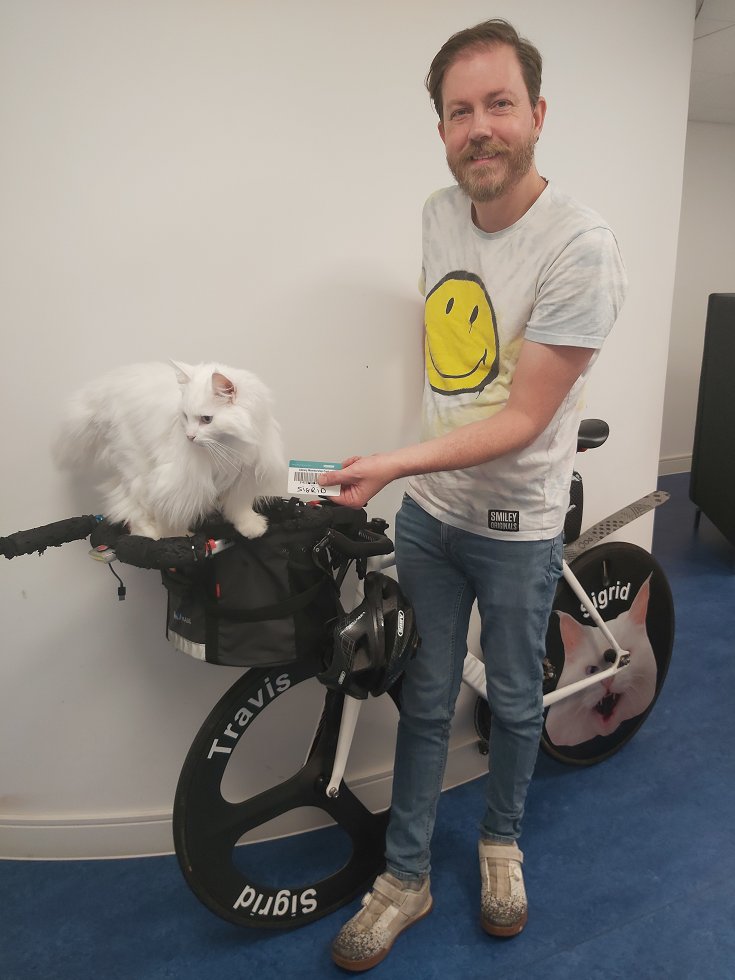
x=458 y=112
x=205 y=419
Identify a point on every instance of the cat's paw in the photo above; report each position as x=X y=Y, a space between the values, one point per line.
x=252 y=525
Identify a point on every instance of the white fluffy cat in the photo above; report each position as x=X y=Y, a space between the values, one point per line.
x=176 y=442
x=601 y=708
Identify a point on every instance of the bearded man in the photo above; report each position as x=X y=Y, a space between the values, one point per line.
x=522 y=284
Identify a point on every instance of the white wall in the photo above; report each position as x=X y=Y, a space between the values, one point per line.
x=705 y=264
x=244 y=181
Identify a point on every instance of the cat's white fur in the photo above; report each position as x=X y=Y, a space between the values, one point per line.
x=164 y=466
x=629 y=692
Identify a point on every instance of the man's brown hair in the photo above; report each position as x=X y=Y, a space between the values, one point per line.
x=496 y=31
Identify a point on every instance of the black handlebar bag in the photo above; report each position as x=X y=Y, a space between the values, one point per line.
x=263 y=601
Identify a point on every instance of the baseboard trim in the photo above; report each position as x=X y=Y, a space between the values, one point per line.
x=77 y=838
x=669 y=465
x=149 y=835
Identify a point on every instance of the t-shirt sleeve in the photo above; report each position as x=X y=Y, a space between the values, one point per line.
x=580 y=296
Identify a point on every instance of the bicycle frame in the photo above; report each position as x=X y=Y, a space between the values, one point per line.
x=473 y=670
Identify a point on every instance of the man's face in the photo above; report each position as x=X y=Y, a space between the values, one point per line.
x=488 y=126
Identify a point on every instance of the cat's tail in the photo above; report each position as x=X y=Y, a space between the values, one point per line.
x=270 y=466
x=77 y=438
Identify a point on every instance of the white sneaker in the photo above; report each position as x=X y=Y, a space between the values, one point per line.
x=503 y=904
x=392 y=906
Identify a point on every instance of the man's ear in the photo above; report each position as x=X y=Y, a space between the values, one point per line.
x=539 y=114
x=441 y=131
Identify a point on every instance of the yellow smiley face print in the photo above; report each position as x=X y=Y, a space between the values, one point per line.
x=461 y=335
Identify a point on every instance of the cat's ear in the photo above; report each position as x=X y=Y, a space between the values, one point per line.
x=571 y=631
x=183 y=372
x=223 y=387
x=639 y=608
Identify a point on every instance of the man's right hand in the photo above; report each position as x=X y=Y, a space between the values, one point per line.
x=361 y=477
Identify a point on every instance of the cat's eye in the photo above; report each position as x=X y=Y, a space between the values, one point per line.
x=591 y=670
x=205 y=419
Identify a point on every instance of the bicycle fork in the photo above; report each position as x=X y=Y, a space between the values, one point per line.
x=350 y=714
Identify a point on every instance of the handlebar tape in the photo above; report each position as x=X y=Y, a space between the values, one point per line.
x=135 y=549
x=48 y=536
x=165 y=553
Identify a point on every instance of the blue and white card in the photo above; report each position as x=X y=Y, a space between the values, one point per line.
x=302 y=477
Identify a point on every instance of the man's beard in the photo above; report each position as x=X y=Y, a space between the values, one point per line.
x=480 y=183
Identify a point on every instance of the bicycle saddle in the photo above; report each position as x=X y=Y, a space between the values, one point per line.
x=591 y=434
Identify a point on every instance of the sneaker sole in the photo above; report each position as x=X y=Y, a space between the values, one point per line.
x=505 y=931
x=357 y=966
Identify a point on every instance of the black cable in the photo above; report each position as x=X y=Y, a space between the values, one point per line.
x=121 y=590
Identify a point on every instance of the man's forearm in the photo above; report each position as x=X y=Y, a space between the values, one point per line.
x=471 y=444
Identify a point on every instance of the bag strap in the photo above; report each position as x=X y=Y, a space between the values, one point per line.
x=278 y=610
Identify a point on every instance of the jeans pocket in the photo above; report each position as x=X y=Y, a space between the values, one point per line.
x=556 y=555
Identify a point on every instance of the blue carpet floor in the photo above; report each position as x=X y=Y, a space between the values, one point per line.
x=630 y=865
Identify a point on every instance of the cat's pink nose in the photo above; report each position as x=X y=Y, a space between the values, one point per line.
x=191 y=438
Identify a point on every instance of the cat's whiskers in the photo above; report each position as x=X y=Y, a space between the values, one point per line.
x=220 y=459
x=223 y=456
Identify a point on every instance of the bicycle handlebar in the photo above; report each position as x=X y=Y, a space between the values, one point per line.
x=176 y=552
x=49 y=536
x=185 y=552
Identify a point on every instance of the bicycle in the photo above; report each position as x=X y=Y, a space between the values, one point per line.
x=606 y=589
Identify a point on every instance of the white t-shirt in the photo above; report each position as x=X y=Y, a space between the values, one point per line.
x=554 y=277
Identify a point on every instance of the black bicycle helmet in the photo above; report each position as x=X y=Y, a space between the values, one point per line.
x=374 y=642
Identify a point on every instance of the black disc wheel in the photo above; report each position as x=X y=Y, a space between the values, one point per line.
x=212 y=815
x=629 y=590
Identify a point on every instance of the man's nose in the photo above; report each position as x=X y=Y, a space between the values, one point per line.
x=481 y=126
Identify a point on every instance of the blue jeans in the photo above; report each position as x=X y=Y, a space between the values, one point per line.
x=442 y=570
